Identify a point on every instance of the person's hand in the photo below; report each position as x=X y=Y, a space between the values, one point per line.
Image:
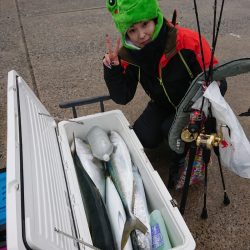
x=111 y=57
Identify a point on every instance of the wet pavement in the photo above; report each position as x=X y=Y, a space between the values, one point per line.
x=57 y=47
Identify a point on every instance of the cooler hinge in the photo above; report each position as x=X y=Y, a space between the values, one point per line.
x=174 y=203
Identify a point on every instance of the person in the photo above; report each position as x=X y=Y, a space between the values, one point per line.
x=163 y=57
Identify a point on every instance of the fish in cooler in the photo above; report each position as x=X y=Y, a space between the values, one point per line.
x=98 y=220
x=140 y=210
x=116 y=213
x=120 y=168
x=92 y=165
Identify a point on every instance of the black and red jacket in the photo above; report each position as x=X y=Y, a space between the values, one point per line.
x=165 y=67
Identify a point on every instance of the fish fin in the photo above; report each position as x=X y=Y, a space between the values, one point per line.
x=131 y=224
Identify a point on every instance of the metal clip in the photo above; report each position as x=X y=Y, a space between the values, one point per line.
x=57 y=119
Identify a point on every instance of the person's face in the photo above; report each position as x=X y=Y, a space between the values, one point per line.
x=141 y=33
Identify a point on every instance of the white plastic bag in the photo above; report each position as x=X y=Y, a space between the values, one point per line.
x=235 y=148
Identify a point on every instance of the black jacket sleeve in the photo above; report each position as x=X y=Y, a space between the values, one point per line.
x=121 y=85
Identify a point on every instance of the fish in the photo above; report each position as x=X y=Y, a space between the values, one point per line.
x=98 y=219
x=120 y=168
x=116 y=213
x=140 y=210
x=91 y=164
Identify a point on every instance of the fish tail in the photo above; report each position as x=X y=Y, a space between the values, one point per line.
x=131 y=224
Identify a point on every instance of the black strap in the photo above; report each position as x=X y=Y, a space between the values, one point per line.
x=245 y=113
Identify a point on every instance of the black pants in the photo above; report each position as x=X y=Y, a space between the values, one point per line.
x=152 y=128
x=153 y=125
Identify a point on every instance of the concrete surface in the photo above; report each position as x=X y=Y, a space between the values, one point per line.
x=57 y=47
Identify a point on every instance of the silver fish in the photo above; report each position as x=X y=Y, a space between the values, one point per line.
x=97 y=216
x=92 y=165
x=120 y=167
x=140 y=210
x=117 y=215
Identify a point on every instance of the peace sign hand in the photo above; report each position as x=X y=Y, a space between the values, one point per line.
x=111 y=58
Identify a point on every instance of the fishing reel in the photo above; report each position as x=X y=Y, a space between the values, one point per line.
x=208 y=141
x=187 y=136
x=193 y=132
x=202 y=139
x=190 y=133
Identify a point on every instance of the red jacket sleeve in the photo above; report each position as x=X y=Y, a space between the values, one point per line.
x=189 y=39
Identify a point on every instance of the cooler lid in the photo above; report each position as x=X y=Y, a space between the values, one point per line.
x=44 y=191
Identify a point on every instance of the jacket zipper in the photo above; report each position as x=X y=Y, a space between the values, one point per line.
x=139 y=71
x=162 y=85
x=160 y=81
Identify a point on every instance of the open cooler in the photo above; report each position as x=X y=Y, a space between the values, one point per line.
x=44 y=204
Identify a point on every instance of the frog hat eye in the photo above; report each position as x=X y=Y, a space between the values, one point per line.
x=112 y=2
x=111 y=5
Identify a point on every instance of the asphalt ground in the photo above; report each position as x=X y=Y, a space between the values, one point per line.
x=57 y=47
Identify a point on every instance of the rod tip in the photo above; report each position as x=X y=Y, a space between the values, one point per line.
x=226 y=200
x=204 y=214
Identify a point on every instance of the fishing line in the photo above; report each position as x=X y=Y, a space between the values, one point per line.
x=199 y=32
x=208 y=77
x=201 y=48
x=210 y=73
x=215 y=38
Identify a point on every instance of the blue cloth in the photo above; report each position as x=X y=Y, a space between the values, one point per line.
x=2 y=198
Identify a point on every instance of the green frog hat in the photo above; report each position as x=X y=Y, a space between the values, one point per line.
x=125 y=13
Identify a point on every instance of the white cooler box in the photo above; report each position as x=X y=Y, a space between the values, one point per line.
x=44 y=204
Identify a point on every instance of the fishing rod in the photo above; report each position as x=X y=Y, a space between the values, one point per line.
x=211 y=123
x=206 y=128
